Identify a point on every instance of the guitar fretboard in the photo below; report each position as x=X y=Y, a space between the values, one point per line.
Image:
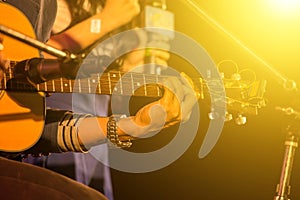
x=107 y=83
x=113 y=82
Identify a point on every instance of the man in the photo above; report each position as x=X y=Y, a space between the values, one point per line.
x=86 y=130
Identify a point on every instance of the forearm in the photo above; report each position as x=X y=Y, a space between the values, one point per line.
x=83 y=34
x=80 y=36
x=92 y=131
x=66 y=131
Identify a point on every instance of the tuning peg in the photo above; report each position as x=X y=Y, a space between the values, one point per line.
x=240 y=120
x=222 y=75
x=213 y=115
x=208 y=74
x=236 y=77
x=228 y=117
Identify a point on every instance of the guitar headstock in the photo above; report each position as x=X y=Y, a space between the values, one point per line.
x=244 y=93
x=246 y=99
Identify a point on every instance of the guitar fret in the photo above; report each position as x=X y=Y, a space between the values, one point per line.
x=4 y=81
x=132 y=84
x=46 y=88
x=121 y=84
x=99 y=84
x=145 y=85
x=158 y=90
x=109 y=83
x=79 y=85
x=53 y=86
x=10 y=73
x=201 y=88
x=89 y=85
x=61 y=85
x=70 y=85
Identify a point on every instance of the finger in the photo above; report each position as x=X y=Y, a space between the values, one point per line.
x=189 y=81
x=175 y=86
x=168 y=96
x=186 y=117
x=161 y=62
x=188 y=102
x=170 y=104
x=190 y=96
x=181 y=100
x=164 y=55
x=135 y=57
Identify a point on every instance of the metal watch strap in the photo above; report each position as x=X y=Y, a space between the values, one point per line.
x=112 y=132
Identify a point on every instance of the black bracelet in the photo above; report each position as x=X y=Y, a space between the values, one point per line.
x=112 y=133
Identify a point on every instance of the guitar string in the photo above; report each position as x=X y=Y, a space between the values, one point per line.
x=152 y=78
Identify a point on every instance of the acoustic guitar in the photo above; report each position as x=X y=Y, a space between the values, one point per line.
x=22 y=106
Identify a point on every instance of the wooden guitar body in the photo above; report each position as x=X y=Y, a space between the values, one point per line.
x=21 y=113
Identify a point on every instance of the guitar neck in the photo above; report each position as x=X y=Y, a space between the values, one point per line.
x=113 y=82
x=130 y=84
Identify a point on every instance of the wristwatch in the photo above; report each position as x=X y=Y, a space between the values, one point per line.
x=112 y=132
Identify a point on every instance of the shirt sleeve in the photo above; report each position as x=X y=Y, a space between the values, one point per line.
x=48 y=141
x=60 y=133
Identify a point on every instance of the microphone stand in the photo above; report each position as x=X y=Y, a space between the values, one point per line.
x=37 y=44
x=283 y=189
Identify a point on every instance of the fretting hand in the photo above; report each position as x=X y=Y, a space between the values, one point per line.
x=174 y=107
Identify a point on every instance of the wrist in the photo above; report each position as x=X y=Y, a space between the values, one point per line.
x=115 y=135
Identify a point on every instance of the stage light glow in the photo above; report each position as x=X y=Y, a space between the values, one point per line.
x=286 y=6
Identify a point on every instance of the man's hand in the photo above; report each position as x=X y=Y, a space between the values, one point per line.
x=174 y=107
x=121 y=11
x=136 y=58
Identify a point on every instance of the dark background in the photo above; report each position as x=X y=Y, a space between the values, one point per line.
x=246 y=162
